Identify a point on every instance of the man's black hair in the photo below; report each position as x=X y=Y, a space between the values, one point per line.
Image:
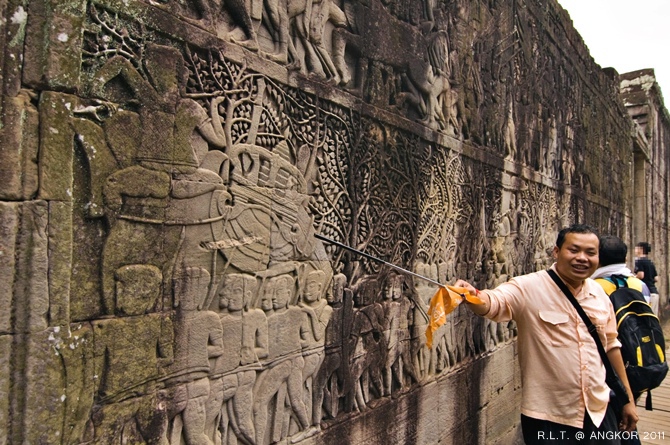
x=645 y=246
x=612 y=250
x=575 y=228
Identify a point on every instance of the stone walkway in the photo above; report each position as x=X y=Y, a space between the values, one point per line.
x=654 y=426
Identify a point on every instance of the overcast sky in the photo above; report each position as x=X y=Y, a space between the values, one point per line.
x=627 y=35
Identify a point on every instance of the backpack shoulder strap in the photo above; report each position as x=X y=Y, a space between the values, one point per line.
x=619 y=281
x=607 y=285
x=634 y=283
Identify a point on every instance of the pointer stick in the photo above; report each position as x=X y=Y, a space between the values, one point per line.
x=379 y=260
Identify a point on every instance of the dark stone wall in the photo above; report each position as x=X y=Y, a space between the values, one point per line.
x=644 y=102
x=166 y=166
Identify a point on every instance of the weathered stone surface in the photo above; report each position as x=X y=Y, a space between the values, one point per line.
x=644 y=102
x=60 y=377
x=60 y=262
x=5 y=378
x=9 y=223
x=169 y=287
x=31 y=284
x=56 y=146
x=19 y=141
x=53 y=45
x=434 y=413
x=13 y=39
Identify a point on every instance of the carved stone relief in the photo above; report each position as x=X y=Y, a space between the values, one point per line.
x=185 y=172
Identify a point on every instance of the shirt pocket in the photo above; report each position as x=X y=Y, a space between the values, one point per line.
x=600 y=323
x=555 y=328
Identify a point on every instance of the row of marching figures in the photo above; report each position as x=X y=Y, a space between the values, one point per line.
x=267 y=361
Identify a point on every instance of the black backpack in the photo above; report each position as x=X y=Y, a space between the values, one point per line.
x=641 y=337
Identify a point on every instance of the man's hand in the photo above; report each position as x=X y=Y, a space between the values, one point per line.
x=466 y=285
x=479 y=309
x=629 y=418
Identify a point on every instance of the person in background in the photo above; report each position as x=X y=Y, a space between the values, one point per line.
x=645 y=270
x=613 y=252
x=564 y=394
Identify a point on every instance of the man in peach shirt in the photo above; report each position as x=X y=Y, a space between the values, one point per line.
x=564 y=394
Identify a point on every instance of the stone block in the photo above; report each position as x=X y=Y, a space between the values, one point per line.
x=454 y=400
x=499 y=373
x=60 y=262
x=9 y=221
x=502 y=413
x=13 y=29
x=19 y=144
x=81 y=381
x=31 y=297
x=59 y=385
x=5 y=351
x=54 y=44
x=56 y=146
x=98 y=164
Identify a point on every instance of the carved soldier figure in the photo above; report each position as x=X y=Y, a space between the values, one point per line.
x=198 y=338
x=392 y=315
x=430 y=90
x=398 y=310
x=426 y=361
x=366 y=346
x=234 y=373
x=316 y=315
x=310 y=28
x=132 y=351
x=282 y=377
x=331 y=376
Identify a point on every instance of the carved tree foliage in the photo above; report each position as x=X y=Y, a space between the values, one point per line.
x=185 y=174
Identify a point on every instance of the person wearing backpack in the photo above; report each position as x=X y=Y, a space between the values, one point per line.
x=645 y=270
x=613 y=262
x=640 y=332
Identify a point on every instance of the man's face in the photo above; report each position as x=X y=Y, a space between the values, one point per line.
x=312 y=291
x=282 y=295
x=267 y=297
x=577 y=258
x=236 y=301
x=335 y=297
x=233 y=293
x=365 y=296
x=638 y=251
x=394 y=288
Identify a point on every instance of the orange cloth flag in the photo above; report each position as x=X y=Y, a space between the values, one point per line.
x=445 y=300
